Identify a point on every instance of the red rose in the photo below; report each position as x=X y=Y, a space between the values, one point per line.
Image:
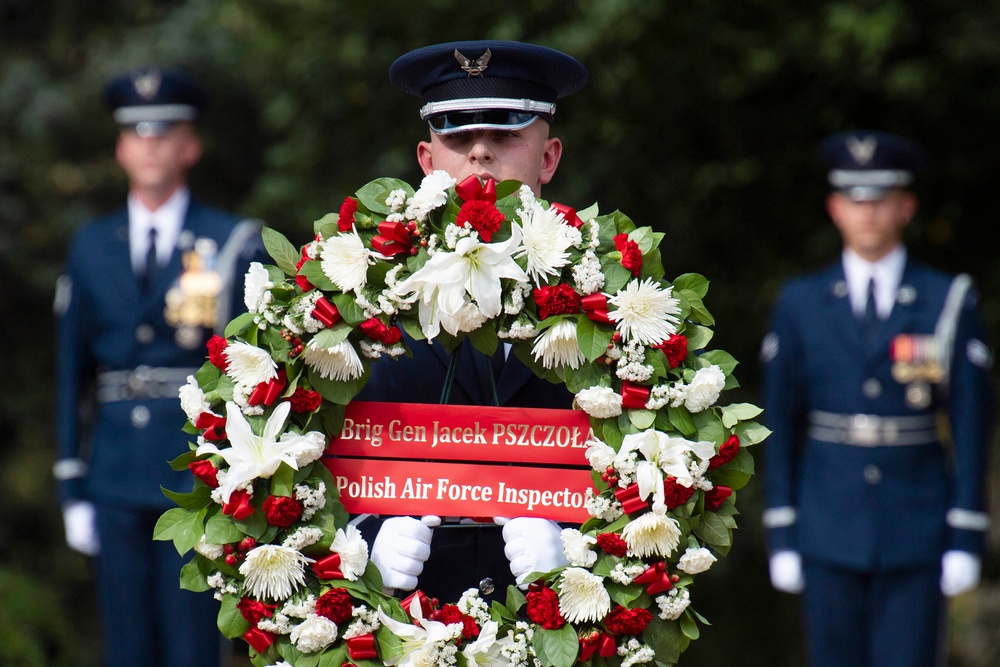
x=216 y=352
x=255 y=610
x=376 y=329
x=622 y=621
x=674 y=494
x=239 y=506
x=482 y=216
x=631 y=255
x=613 y=544
x=675 y=349
x=543 y=607
x=560 y=299
x=282 y=511
x=450 y=613
x=305 y=400
x=335 y=604
x=345 y=221
x=727 y=451
x=206 y=472
x=715 y=497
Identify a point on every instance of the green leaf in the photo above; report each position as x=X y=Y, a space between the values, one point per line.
x=698 y=336
x=349 y=309
x=372 y=196
x=688 y=627
x=238 y=325
x=221 y=529
x=312 y=271
x=195 y=500
x=340 y=392
x=737 y=412
x=515 y=598
x=616 y=276
x=557 y=648
x=709 y=426
x=592 y=337
x=281 y=251
x=751 y=433
x=720 y=358
x=642 y=419
x=230 y=621
x=588 y=213
x=332 y=336
x=681 y=420
x=737 y=472
x=193 y=578
x=694 y=282
x=182 y=526
x=666 y=639
x=714 y=531
x=623 y=595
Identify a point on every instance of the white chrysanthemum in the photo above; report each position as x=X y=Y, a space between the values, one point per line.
x=345 y=261
x=314 y=634
x=353 y=552
x=576 y=547
x=193 y=400
x=600 y=455
x=256 y=284
x=340 y=362
x=432 y=194
x=209 y=550
x=249 y=365
x=558 y=347
x=582 y=596
x=545 y=242
x=599 y=402
x=308 y=446
x=645 y=312
x=696 y=560
x=273 y=571
x=652 y=534
x=704 y=389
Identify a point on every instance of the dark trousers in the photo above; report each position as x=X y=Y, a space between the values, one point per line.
x=880 y=619
x=147 y=619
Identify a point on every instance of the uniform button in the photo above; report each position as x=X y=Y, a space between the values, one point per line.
x=872 y=474
x=871 y=388
x=486 y=586
x=140 y=416
x=144 y=333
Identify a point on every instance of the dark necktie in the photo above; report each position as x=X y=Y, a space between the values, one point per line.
x=150 y=269
x=871 y=313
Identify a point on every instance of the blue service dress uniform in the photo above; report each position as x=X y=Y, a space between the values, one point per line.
x=461 y=557
x=858 y=479
x=119 y=367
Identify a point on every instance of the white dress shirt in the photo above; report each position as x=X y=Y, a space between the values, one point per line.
x=887 y=274
x=168 y=219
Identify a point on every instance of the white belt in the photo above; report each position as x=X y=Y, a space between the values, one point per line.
x=142 y=382
x=872 y=430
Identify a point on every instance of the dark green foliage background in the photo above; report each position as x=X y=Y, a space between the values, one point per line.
x=700 y=119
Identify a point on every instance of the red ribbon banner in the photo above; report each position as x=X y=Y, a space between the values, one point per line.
x=393 y=239
x=328 y=568
x=603 y=643
x=326 y=312
x=596 y=307
x=655 y=578
x=362 y=648
x=471 y=188
x=572 y=219
x=268 y=392
x=213 y=425
x=630 y=500
x=259 y=639
x=426 y=604
x=634 y=396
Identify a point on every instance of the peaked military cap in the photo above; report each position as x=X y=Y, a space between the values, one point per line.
x=865 y=165
x=150 y=100
x=486 y=84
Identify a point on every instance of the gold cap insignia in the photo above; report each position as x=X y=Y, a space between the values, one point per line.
x=473 y=67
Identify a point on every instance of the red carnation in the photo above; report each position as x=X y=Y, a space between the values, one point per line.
x=282 y=511
x=216 y=352
x=255 y=610
x=717 y=496
x=560 y=299
x=450 y=613
x=622 y=621
x=482 y=216
x=675 y=348
x=376 y=329
x=206 y=472
x=613 y=544
x=726 y=453
x=543 y=607
x=335 y=604
x=300 y=280
x=345 y=221
x=631 y=255
x=305 y=400
x=674 y=494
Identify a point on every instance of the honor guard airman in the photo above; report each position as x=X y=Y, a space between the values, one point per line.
x=878 y=391
x=488 y=106
x=143 y=290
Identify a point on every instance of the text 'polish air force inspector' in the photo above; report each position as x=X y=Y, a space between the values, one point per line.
x=872 y=510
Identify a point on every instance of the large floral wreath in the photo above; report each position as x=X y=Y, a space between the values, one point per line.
x=582 y=299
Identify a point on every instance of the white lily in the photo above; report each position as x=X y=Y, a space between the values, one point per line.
x=420 y=640
x=485 y=651
x=663 y=455
x=449 y=280
x=250 y=455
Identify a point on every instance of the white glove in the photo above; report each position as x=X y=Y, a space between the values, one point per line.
x=401 y=548
x=532 y=545
x=786 y=572
x=80 y=521
x=959 y=572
